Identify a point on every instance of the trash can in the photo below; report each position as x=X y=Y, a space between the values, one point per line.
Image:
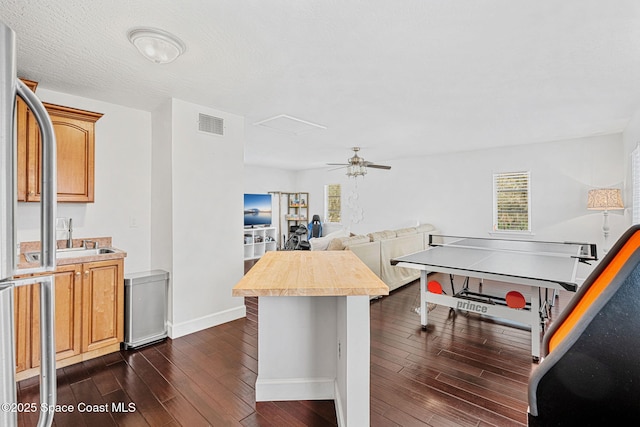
x=145 y=308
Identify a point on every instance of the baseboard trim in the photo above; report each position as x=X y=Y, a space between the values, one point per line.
x=204 y=322
x=295 y=389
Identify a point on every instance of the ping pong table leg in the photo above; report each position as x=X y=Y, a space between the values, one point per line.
x=423 y=300
x=535 y=324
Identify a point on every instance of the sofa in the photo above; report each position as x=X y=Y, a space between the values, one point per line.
x=378 y=248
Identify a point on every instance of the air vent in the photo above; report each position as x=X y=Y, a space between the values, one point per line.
x=210 y=124
x=288 y=124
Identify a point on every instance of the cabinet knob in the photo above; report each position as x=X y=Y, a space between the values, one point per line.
x=77 y=273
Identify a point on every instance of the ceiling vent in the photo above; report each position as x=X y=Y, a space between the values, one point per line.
x=288 y=124
x=211 y=124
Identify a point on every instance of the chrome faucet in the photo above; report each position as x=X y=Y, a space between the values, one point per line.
x=86 y=243
x=70 y=234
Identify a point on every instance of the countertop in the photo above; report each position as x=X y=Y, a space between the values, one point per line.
x=310 y=273
x=103 y=242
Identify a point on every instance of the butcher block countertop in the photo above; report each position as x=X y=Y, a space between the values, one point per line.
x=310 y=273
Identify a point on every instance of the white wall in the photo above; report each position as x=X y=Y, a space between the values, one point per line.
x=454 y=191
x=259 y=179
x=206 y=221
x=122 y=182
x=162 y=194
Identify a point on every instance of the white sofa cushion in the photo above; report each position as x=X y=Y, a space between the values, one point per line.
x=322 y=243
x=406 y=231
x=341 y=243
x=423 y=228
x=382 y=235
x=369 y=253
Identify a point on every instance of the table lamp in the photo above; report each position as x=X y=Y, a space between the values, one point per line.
x=605 y=199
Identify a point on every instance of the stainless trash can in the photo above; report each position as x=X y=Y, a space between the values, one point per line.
x=145 y=308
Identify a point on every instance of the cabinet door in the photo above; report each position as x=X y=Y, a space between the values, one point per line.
x=22 y=120
x=22 y=325
x=75 y=138
x=102 y=304
x=68 y=299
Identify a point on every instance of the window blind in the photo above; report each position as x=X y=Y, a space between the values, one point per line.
x=512 y=201
x=635 y=170
x=333 y=203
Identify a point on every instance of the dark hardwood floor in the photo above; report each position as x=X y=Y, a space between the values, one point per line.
x=462 y=371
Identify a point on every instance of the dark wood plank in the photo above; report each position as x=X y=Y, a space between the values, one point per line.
x=463 y=371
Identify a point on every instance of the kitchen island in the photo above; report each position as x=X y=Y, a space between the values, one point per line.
x=313 y=328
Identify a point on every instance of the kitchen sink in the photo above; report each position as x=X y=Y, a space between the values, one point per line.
x=70 y=253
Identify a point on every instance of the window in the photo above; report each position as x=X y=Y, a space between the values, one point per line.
x=332 y=203
x=511 y=201
x=635 y=169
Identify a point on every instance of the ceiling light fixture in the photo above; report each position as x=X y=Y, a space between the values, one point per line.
x=356 y=170
x=357 y=166
x=157 y=45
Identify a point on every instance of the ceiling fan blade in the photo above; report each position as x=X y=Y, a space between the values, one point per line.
x=340 y=167
x=337 y=164
x=378 y=166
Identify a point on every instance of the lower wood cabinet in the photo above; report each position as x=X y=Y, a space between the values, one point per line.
x=89 y=315
x=68 y=301
x=102 y=305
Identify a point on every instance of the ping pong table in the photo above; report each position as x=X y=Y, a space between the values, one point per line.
x=533 y=264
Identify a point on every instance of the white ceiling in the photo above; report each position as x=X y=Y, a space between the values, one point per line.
x=399 y=78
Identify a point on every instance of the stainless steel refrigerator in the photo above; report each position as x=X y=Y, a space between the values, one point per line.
x=10 y=87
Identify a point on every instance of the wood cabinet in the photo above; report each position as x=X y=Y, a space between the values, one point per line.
x=22 y=325
x=67 y=324
x=22 y=119
x=102 y=305
x=75 y=137
x=89 y=315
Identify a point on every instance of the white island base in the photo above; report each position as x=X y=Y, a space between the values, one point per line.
x=313 y=328
x=316 y=348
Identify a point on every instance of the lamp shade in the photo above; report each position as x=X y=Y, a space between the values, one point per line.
x=604 y=199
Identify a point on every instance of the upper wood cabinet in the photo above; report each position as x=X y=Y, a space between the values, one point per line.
x=22 y=119
x=75 y=138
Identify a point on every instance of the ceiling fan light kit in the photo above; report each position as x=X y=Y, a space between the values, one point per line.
x=356 y=170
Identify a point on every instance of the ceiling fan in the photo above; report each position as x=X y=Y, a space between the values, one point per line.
x=357 y=166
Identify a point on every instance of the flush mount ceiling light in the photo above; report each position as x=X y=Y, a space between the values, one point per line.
x=156 y=45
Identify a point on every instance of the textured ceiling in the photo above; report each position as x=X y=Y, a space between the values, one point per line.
x=398 y=78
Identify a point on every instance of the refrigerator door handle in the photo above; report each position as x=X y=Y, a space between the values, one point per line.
x=48 y=180
x=47 y=255
x=48 y=389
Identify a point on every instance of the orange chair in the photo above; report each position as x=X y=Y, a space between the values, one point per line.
x=591 y=373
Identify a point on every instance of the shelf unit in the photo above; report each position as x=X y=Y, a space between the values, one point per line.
x=291 y=209
x=297 y=209
x=257 y=241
